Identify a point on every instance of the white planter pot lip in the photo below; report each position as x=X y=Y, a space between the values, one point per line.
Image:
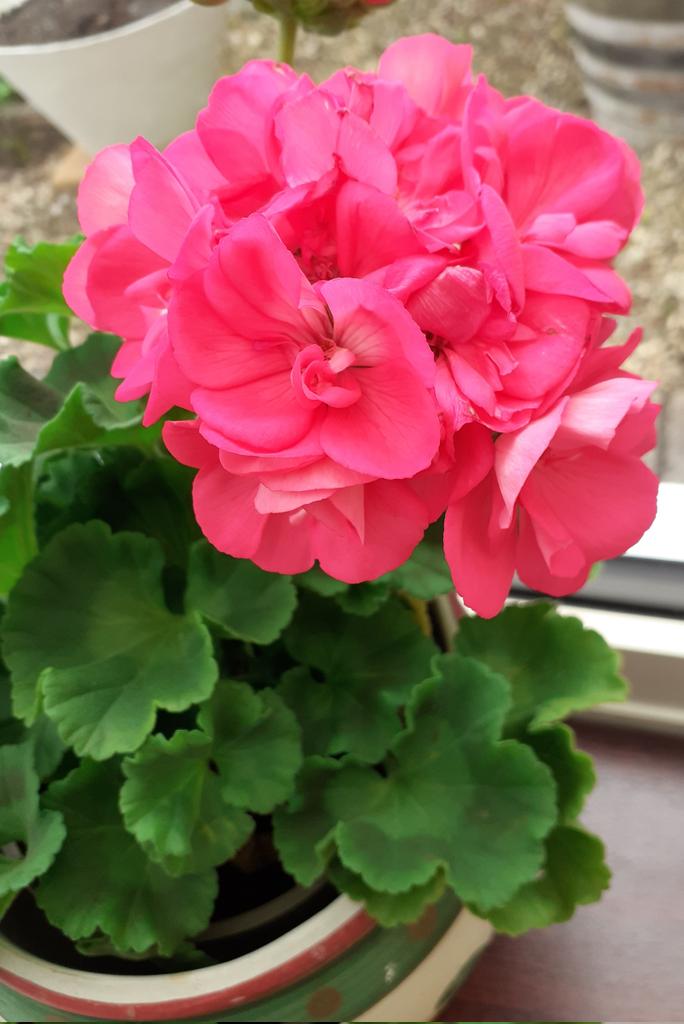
x=99 y=38
x=278 y=964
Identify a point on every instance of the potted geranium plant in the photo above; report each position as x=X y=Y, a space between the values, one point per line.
x=365 y=360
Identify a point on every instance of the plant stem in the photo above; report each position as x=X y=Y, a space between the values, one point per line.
x=288 y=38
x=420 y=612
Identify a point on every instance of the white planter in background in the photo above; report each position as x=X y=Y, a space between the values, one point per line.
x=631 y=55
x=149 y=77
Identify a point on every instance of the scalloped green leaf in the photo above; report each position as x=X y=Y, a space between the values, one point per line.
x=364 y=598
x=575 y=873
x=26 y=405
x=172 y=803
x=238 y=597
x=40 y=832
x=256 y=745
x=42 y=736
x=337 y=719
x=426 y=573
x=32 y=306
x=370 y=663
x=384 y=650
x=304 y=831
x=554 y=665
x=388 y=909
x=452 y=797
x=572 y=769
x=33 y=276
x=124 y=487
x=74 y=407
x=102 y=881
x=88 y=627
x=49 y=329
x=320 y=583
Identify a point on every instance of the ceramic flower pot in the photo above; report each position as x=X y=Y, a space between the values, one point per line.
x=337 y=965
x=631 y=54
x=149 y=77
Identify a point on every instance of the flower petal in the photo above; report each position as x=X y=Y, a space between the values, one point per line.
x=105 y=190
x=433 y=70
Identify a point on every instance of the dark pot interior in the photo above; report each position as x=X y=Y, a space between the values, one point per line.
x=251 y=911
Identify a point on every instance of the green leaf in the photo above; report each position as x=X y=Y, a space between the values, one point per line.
x=77 y=486
x=74 y=407
x=388 y=909
x=364 y=598
x=186 y=957
x=126 y=488
x=40 y=832
x=91 y=363
x=575 y=873
x=384 y=650
x=337 y=719
x=235 y=595
x=256 y=745
x=49 y=329
x=47 y=748
x=304 y=831
x=426 y=574
x=370 y=665
x=26 y=405
x=572 y=769
x=91 y=415
x=34 y=276
x=156 y=499
x=320 y=583
x=554 y=665
x=5 y=903
x=452 y=797
x=17 y=528
x=103 y=881
x=87 y=621
x=172 y=803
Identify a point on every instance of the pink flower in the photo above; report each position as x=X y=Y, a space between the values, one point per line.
x=237 y=131
x=281 y=368
x=435 y=73
x=571 y=193
x=557 y=496
x=285 y=514
x=381 y=296
x=150 y=219
x=492 y=367
x=138 y=210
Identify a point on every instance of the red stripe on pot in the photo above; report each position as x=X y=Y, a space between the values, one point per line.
x=265 y=984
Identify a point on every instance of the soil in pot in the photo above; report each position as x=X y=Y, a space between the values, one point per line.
x=49 y=21
x=257 y=903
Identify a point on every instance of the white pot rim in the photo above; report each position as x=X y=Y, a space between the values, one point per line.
x=287 y=959
x=98 y=38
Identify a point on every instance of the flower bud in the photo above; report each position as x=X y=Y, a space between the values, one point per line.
x=326 y=16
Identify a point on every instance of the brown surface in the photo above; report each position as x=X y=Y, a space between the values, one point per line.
x=622 y=959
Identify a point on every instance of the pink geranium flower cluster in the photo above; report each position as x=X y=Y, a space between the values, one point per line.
x=384 y=298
